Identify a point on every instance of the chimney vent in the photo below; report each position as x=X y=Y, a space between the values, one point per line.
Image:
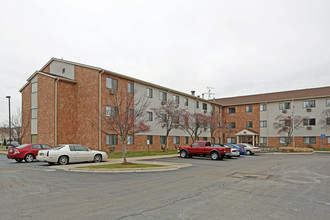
x=193 y=93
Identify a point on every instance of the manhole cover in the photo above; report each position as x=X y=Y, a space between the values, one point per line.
x=250 y=176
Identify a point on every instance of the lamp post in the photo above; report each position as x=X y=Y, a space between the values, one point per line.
x=8 y=97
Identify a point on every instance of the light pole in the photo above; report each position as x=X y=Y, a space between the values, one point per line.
x=8 y=97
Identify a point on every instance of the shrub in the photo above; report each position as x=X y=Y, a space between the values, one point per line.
x=296 y=149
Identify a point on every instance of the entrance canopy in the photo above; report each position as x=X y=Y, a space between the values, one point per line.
x=247 y=136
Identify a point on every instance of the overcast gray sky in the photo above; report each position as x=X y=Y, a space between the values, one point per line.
x=238 y=47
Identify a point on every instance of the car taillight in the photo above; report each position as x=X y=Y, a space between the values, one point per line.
x=16 y=151
x=234 y=150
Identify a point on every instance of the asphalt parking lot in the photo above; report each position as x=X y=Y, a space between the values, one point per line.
x=251 y=187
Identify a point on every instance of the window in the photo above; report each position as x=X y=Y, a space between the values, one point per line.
x=284 y=105
x=110 y=110
x=34 y=87
x=162 y=96
x=112 y=84
x=249 y=124
x=162 y=139
x=34 y=138
x=284 y=140
x=197 y=104
x=150 y=116
x=130 y=139
x=204 y=106
x=213 y=108
x=328 y=140
x=111 y=139
x=263 y=124
x=186 y=102
x=176 y=140
x=309 y=104
x=309 y=122
x=176 y=99
x=231 y=110
x=327 y=121
x=204 y=138
x=186 y=140
x=130 y=88
x=63 y=70
x=34 y=113
x=150 y=139
x=231 y=140
x=219 y=109
x=309 y=140
x=285 y=123
x=212 y=140
x=149 y=93
x=249 y=108
x=263 y=140
x=327 y=102
x=263 y=107
x=219 y=140
x=219 y=125
x=232 y=124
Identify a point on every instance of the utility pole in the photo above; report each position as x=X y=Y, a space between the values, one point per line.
x=8 y=97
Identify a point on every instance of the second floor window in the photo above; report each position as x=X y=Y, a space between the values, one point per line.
x=204 y=106
x=110 y=110
x=185 y=101
x=232 y=124
x=263 y=124
x=162 y=96
x=231 y=110
x=197 y=104
x=327 y=102
x=249 y=124
x=112 y=84
x=309 y=104
x=150 y=116
x=130 y=88
x=263 y=107
x=309 y=122
x=176 y=99
x=149 y=93
x=284 y=105
x=249 y=108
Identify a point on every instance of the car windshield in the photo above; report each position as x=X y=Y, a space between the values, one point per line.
x=58 y=147
x=22 y=146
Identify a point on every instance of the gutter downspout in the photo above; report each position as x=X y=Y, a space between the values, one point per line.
x=55 y=110
x=100 y=108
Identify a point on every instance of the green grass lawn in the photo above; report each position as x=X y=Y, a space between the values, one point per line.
x=120 y=166
x=319 y=149
x=141 y=153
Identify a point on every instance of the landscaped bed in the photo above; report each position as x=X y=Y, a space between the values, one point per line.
x=141 y=153
x=121 y=166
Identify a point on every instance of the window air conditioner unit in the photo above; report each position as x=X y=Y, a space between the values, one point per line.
x=112 y=91
x=308 y=110
x=284 y=111
x=309 y=128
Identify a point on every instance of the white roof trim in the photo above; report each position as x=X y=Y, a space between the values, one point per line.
x=246 y=132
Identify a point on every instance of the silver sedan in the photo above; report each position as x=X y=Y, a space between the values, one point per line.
x=71 y=153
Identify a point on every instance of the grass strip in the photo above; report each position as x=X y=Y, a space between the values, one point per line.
x=141 y=153
x=121 y=166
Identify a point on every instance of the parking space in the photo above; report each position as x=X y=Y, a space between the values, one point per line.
x=250 y=187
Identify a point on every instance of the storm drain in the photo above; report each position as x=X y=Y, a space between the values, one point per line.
x=250 y=176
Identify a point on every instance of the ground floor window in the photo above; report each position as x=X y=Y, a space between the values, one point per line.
x=111 y=139
x=176 y=140
x=231 y=140
x=149 y=139
x=213 y=140
x=186 y=140
x=130 y=139
x=328 y=140
x=204 y=138
x=263 y=140
x=162 y=139
x=219 y=140
x=284 y=140
x=34 y=138
x=309 y=140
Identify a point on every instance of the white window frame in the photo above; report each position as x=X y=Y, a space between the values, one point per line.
x=263 y=107
x=149 y=93
x=150 y=116
x=263 y=124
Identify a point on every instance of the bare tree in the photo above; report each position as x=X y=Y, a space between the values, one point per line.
x=325 y=119
x=215 y=125
x=169 y=116
x=125 y=116
x=195 y=124
x=287 y=124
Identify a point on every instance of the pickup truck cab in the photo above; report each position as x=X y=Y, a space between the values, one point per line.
x=203 y=148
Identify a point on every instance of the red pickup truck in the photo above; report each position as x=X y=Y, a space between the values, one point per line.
x=203 y=148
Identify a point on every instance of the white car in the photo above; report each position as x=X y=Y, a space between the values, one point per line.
x=250 y=149
x=70 y=153
x=233 y=151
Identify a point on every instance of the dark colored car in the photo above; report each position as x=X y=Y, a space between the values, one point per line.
x=27 y=152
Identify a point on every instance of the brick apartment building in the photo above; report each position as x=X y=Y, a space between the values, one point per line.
x=60 y=104
x=252 y=117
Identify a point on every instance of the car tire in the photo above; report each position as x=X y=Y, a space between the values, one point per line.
x=29 y=158
x=63 y=160
x=183 y=154
x=97 y=158
x=248 y=152
x=19 y=160
x=214 y=156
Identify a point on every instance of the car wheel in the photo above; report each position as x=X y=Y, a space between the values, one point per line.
x=183 y=154
x=28 y=158
x=19 y=160
x=63 y=160
x=97 y=158
x=248 y=152
x=214 y=156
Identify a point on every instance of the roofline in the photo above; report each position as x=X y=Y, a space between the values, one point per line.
x=46 y=74
x=69 y=62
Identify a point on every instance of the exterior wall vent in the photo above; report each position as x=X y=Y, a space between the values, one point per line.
x=284 y=111
x=308 y=110
x=309 y=128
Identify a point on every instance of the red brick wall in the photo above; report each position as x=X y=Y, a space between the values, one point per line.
x=66 y=113
x=46 y=110
x=46 y=69
x=299 y=142
x=26 y=114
